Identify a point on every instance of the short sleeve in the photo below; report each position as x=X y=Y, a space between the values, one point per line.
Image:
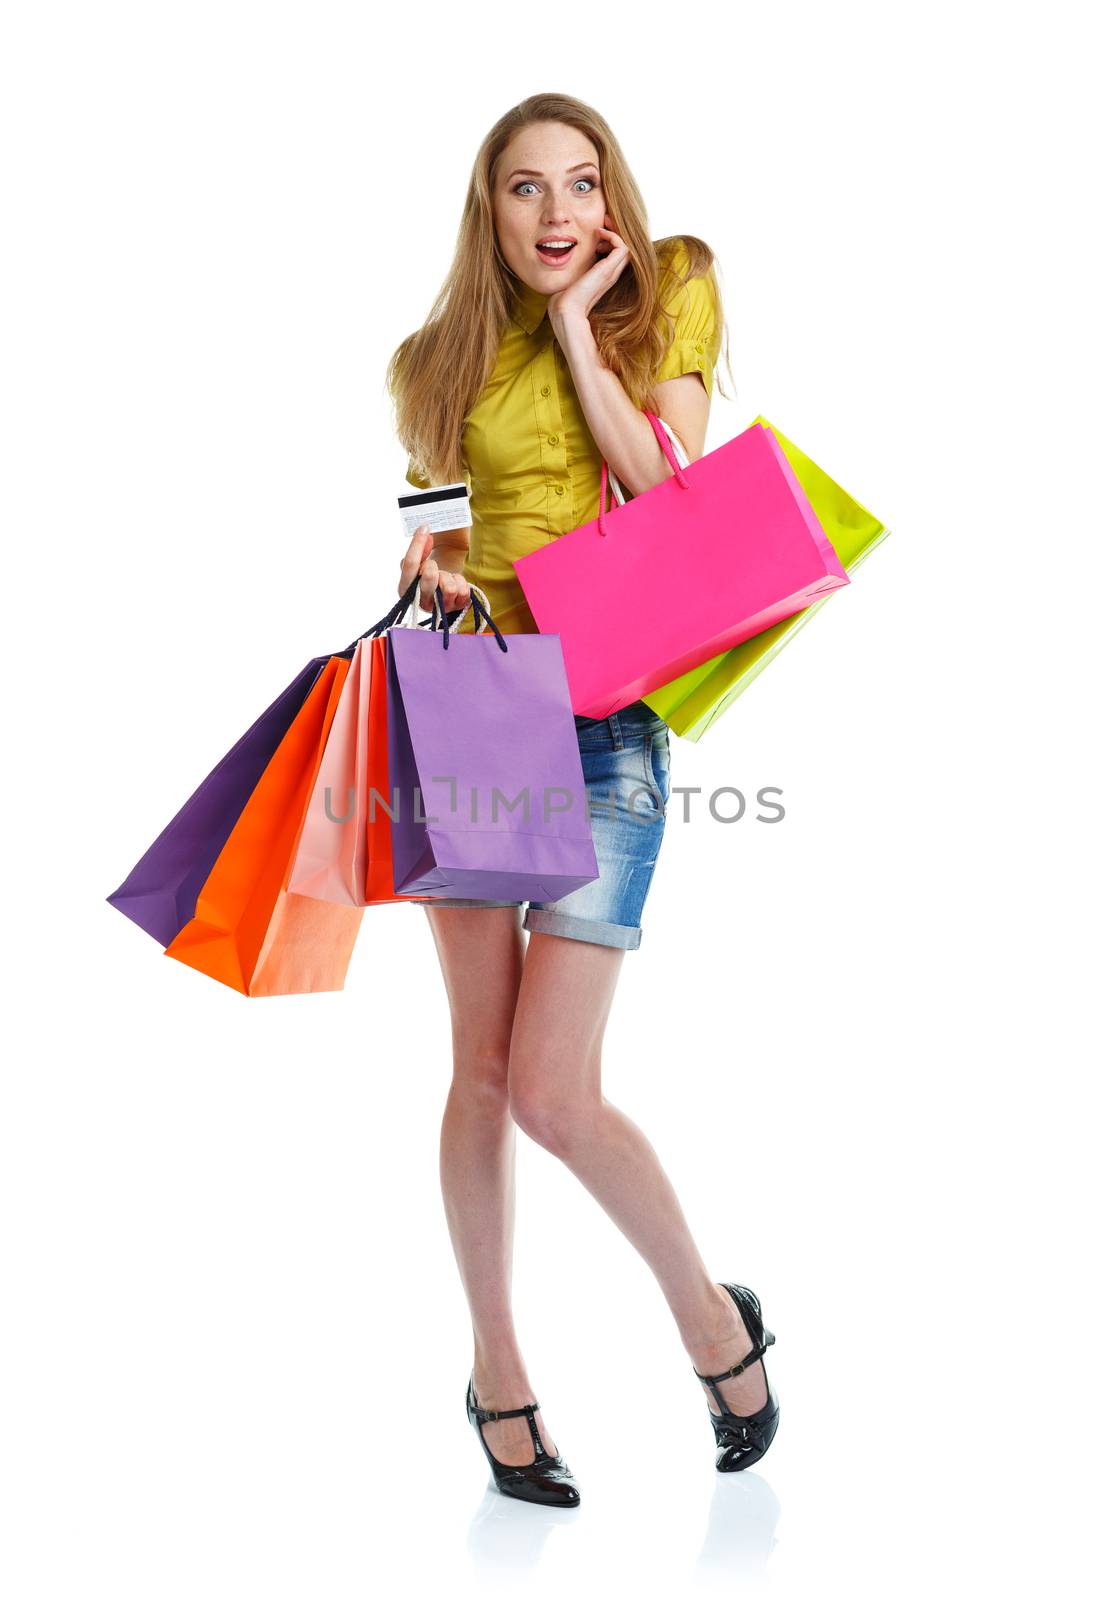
x=696 y=332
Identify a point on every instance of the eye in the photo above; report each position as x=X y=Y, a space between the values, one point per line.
x=526 y=183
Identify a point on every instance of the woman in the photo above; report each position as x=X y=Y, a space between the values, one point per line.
x=558 y=324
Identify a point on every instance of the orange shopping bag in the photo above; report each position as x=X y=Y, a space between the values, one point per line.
x=249 y=930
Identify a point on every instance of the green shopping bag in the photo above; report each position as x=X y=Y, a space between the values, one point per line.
x=692 y=702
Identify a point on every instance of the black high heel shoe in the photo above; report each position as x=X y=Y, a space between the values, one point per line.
x=546 y=1481
x=743 y=1440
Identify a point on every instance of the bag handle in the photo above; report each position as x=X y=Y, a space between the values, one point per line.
x=678 y=449
x=401 y=614
x=404 y=614
x=663 y=439
x=455 y=618
x=478 y=604
x=393 y=618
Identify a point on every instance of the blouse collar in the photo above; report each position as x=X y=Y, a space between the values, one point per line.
x=530 y=307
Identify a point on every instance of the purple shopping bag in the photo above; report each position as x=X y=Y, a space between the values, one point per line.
x=486 y=787
x=161 y=891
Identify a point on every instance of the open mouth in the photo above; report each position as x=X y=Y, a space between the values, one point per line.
x=555 y=252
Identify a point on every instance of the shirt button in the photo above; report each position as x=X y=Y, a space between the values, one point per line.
x=553 y=439
x=560 y=488
x=699 y=344
x=700 y=365
x=545 y=390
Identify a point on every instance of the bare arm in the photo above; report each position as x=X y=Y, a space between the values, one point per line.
x=623 y=435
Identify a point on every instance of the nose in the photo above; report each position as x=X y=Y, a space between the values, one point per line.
x=556 y=212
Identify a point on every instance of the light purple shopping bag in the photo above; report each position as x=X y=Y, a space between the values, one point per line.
x=486 y=783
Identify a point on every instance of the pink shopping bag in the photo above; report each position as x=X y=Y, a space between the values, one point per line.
x=720 y=551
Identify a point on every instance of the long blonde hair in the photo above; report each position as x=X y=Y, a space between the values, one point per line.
x=436 y=375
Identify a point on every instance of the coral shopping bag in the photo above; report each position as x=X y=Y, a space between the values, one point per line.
x=324 y=864
x=344 y=852
x=342 y=826
x=489 y=798
x=159 y=893
x=726 y=547
x=692 y=702
x=249 y=931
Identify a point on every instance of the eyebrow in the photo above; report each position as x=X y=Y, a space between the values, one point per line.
x=526 y=172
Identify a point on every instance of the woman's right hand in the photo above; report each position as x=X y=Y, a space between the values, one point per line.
x=419 y=559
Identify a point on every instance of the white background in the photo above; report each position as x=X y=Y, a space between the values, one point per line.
x=861 y=1041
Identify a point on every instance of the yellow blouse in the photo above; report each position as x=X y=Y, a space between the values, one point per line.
x=531 y=463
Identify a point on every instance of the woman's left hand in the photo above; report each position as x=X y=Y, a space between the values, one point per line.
x=578 y=300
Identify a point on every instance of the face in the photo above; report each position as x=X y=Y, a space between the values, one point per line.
x=548 y=188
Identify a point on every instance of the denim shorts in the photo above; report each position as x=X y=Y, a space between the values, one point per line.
x=625 y=762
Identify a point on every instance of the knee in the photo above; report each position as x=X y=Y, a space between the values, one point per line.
x=542 y=1110
x=481 y=1071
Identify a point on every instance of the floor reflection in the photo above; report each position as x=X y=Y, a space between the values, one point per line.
x=741 y=1529
x=509 y=1536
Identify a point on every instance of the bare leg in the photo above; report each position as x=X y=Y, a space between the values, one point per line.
x=481 y=953
x=556 y=1097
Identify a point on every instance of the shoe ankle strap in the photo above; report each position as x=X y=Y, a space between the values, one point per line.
x=717 y=1377
x=495 y=1416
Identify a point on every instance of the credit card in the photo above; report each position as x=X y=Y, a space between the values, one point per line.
x=436 y=509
